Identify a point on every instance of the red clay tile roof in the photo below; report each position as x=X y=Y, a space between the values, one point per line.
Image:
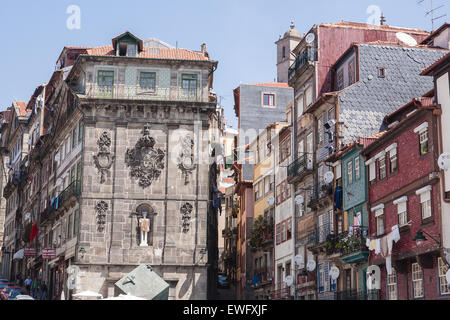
x=271 y=84
x=22 y=107
x=154 y=53
x=437 y=31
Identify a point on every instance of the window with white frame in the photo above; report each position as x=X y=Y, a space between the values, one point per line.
x=402 y=213
x=357 y=171
x=320 y=128
x=350 y=172
x=379 y=217
x=309 y=96
x=444 y=286
x=268 y=99
x=422 y=131
x=372 y=170
x=392 y=285
x=425 y=201
x=417 y=278
x=382 y=167
x=423 y=140
x=300 y=106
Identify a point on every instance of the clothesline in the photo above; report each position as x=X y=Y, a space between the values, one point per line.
x=384 y=246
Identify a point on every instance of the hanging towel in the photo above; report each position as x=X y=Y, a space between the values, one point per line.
x=395 y=233
x=372 y=245
x=389 y=264
x=377 y=246
x=368 y=243
x=384 y=246
x=389 y=243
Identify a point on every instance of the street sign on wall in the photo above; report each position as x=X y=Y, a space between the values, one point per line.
x=30 y=252
x=48 y=253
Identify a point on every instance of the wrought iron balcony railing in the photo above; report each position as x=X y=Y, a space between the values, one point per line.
x=357 y=295
x=308 y=55
x=282 y=292
x=306 y=236
x=73 y=190
x=135 y=92
x=348 y=242
x=299 y=168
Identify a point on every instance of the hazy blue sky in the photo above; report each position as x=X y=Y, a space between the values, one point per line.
x=240 y=34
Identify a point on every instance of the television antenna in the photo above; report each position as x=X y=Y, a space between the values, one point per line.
x=431 y=13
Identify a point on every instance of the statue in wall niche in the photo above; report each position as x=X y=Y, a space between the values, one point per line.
x=186 y=212
x=186 y=158
x=145 y=161
x=104 y=159
x=144 y=226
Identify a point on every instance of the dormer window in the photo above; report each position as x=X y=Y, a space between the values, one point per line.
x=127 y=45
x=127 y=49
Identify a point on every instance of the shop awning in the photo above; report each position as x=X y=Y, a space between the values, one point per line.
x=19 y=254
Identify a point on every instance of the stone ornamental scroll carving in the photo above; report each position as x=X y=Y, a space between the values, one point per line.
x=186 y=158
x=104 y=159
x=101 y=208
x=186 y=212
x=145 y=161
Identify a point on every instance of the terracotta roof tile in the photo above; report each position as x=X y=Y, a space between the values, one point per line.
x=154 y=53
x=271 y=84
x=22 y=107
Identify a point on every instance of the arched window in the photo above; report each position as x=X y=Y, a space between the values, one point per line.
x=145 y=221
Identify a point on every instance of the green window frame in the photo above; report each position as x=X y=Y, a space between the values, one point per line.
x=189 y=85
x=147 y=81
x=105 y=82
x=74 y=138
x=80 y=131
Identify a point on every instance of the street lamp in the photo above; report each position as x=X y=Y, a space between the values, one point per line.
x=420 y=238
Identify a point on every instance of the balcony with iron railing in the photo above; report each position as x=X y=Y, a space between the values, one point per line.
x=307 y=55
x=135 y=92
x=282 y=292
x=298 y=169
x=66 y=198
x=264 y=275
x=351 y=245
x=357 y=295
x=306 y=237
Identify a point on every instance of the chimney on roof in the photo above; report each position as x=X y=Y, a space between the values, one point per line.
x=383 y=20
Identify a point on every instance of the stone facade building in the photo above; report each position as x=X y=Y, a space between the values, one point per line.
x=127 y=173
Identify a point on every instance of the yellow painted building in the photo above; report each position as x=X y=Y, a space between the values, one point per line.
x=261 y=240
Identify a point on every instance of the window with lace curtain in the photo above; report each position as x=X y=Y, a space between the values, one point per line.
x=444 y=286
x=417 y=278
x=392 y=285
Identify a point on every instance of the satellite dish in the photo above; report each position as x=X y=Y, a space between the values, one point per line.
x=298 y=259
x=271 y=201
x=311 y=265
x=406 y=39
x=310 y=38
x=447 y=276
x=328 y=177
x=57 y=157
x=28 y=216
x=334 y=272
x=289 y=280
x=299 y=199
x=444 y=161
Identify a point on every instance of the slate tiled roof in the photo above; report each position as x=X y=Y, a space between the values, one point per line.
x=154 y=53
x=364 y=105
